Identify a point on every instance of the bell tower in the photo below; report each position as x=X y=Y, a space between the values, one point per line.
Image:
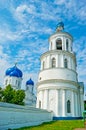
x=58 y=88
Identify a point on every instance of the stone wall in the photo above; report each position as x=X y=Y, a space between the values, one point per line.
x=15 y=116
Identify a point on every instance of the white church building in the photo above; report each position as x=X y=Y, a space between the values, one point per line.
x=14 y=77
x=58 y=88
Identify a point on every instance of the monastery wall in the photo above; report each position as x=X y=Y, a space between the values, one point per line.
x=16 y=116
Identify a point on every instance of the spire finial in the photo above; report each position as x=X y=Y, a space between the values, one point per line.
x=60 y=25
x=15 y=64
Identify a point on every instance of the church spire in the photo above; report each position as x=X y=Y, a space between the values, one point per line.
x=60 y=26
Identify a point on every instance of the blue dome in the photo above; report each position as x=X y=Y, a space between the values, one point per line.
x=30 y=82
x=14 y=71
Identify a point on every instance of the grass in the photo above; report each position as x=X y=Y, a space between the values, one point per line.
x=57 y=125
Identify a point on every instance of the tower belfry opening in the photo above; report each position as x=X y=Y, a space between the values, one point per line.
x=59 y=44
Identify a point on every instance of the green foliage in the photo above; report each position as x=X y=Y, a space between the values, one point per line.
x=1 y=93
x=84 y=105
x=10 y=95
x=57 y=125
x=19 y=95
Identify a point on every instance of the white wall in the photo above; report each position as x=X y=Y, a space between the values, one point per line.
x=15 y=116
x=58 y=73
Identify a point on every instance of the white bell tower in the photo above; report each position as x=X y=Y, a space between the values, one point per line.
x=58 y=88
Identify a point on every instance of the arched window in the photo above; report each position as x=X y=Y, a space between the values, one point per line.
x=67 y=43
x=6 y=82
x=68 y=106
x=65 y=63
x=53 y=63
x=10 y=81
x=39 y=104
x=59 y=44
x=43 y=64
x=51 y=45
x=16 y=82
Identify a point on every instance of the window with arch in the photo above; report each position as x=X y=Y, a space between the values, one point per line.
x=59 y=44
x=68 y=106
x=39 y=104
x=6 y=82
x=67 y=44
x=53 y=62
x=43 y=64
x=51 y=45
x=65 y=63
x=10 y=81
x=16 y=82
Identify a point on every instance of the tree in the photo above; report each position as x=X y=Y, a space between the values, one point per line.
x=85 y=105
x=19 y=97
x=10 y=95
x=1 y=94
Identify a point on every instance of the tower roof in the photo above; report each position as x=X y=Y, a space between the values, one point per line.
x=14 y=71
x=30 y=82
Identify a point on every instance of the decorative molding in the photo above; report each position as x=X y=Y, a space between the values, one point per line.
x=55 y=88
x=51 y=52
x=60 y=34
x=58 y=68
x=56 y=81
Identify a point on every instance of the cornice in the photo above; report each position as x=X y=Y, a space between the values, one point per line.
x=55 y=88
x=57 y=80
x=61 y=34
x=58 y=52
x=57 y=69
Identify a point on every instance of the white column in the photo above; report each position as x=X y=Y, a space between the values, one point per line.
x=59 y=60
x=50 y=61
x=79 y=104
x=47 y=105
x=82 y=102
x=63 y=102
x=62 y=60
x=54 y=45
x=41 y=66
x=56 y=60
x=57 y=110
x=46 y=98
x=73 y=104
x=42 y=99
x=63 y=44
x=70 y=67
x=37 y=104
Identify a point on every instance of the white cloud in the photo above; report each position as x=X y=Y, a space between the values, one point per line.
x=80 y=49
x=59 y=2
x=4 y=64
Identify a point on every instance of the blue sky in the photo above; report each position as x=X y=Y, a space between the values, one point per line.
x=25 y=26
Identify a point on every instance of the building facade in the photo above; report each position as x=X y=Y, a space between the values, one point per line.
x=58 y=88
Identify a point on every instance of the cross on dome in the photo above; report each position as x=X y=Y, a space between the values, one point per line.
x=60 y=26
